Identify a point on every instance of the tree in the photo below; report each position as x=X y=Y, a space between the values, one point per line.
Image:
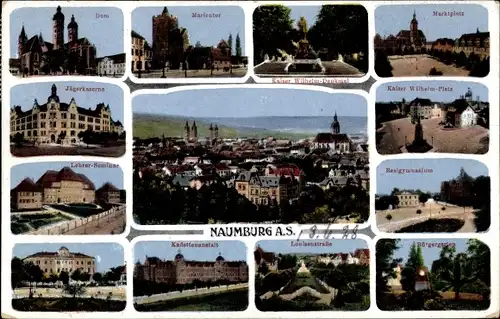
x=18 y=274
x=238 y=46
x=64 y=277
x=452 y=271
x=76 y=275
x=230 y=43
x=197 y=44
x=383 y=67
x=74 y=290
x=271 y=27
x=86 y=136
x=423 y=198
x=339 y=30
x=480 y=259
x=81 y=67
x=18 y=139
x=385 y=264
x=388 y=217
x=414 y=262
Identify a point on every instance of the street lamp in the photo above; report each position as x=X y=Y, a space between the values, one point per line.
x=163 y=68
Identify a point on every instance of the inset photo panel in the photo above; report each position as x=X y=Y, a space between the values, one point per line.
x=190 y=276
x=432 y=40
x=71 y=41
x=67 y=198
x=256 y=151
x=312 y=275
x=433 y=196
x=68 y=277
x=67 y=118
x=433 y=274
x=184 y=42
x=325 y=41
x=432 y=117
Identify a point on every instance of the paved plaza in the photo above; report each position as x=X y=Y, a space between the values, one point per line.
x=391 y=137
x=117 y=292
x=421 y=65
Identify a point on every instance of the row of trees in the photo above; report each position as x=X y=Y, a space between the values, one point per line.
x=28 y=272
x=87 y=137
x=337 y=30
x=478 y=67
x=217 y=202
x=467 y=271
x=64 y=62
x=148 y=288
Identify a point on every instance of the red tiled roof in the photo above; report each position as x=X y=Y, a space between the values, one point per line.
x=108 y=187
x=357 y=253
x=27 y=185
x=65 y=174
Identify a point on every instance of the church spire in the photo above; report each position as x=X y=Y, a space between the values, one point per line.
x=414 y=14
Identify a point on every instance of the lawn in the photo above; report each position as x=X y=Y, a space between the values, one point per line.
x=434 y=225
x=223 y=301
x=21 y=224
x=67 y=304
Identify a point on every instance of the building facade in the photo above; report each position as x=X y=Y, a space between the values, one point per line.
x=477 y=43
x=264 y=258
x=62 y=260
x=138 y=52
x=112 y=65
x=181 y=271
x=407 y=199
x=405 y=41
x=59 y=122
x=34 y=51
x=60 y=187
x=454 y=191
x=265 y=190
x=27 y=195
x=425 y=109
x=107 y=193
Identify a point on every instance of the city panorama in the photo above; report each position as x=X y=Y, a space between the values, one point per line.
x=271 y=163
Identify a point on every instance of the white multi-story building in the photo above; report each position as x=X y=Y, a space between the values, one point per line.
x=113 y=65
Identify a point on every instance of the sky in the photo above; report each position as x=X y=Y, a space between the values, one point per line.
x=107 y=255
x=25 y=94
x=308 y=12
x=105 y=33
x=442 y=170
x=459 y=88
x=250 y=102
x=338 y=246
x=230 y=250
x=430 y=253
x=98 y=176
x=209 y=31
x=394 y=18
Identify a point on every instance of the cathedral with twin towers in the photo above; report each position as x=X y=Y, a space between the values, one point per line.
x=78 y=55
x=191 y=132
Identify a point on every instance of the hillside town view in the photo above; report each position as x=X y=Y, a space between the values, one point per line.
x=312 y=275
x=291 y=41
x=70 y=54
x=430 y=196
x=422 y=122
x=203 y=172
x=432 y=47
x=432 y=274
x=200 y=276
x=73 y=277
x=186 y=42
x=60 y=125
x=60 y=200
